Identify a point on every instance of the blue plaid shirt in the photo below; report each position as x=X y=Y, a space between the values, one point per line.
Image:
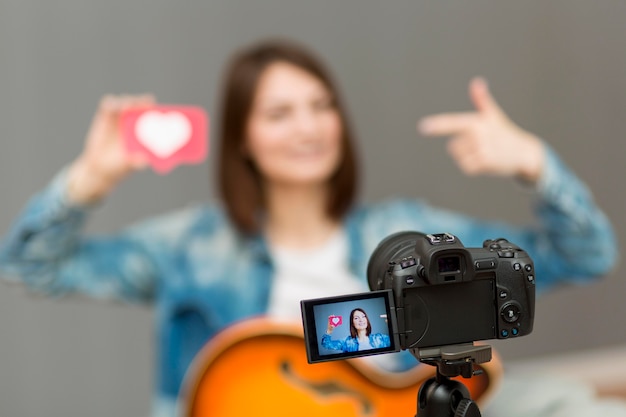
x=351 y=344
x=201 y=275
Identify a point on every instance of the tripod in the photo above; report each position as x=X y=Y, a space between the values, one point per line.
x=440 y=396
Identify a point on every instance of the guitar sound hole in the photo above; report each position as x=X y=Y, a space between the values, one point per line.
x=326 y=388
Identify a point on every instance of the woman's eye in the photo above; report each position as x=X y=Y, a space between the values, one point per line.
x=277 y=114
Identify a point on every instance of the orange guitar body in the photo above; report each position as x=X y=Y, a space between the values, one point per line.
x=259 y=368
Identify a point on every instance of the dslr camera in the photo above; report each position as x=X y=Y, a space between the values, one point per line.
x=427 y=291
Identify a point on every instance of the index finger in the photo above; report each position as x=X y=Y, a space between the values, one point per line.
x=446 y=124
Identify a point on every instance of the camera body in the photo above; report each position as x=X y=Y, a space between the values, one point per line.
x=445 y=293
x=435 y=292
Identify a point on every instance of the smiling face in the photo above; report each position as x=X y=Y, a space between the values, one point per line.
x=359 y=322
x=278 y=96
x=294 y=130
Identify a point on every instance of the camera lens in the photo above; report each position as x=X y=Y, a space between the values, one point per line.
x=395 y=246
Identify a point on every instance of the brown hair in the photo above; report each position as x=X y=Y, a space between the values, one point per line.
x=239 y=180
x=353 y=331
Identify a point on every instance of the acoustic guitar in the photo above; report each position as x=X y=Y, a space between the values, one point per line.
x=258 y=367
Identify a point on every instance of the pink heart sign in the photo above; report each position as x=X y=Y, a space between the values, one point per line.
x=168 y=135
x=335 y=320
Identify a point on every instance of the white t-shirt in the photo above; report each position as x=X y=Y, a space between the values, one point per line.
x=316 y=273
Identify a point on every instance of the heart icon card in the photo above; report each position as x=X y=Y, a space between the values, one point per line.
x=335 y=320
x=168 y=135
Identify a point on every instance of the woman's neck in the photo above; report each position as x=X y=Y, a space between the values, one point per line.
x=361 y=334
x=297 y=216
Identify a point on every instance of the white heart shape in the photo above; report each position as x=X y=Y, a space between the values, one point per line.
x=163 y=133
x=335 y=320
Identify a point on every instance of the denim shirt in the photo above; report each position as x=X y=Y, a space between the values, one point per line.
x=202 y=275
x=351 y=344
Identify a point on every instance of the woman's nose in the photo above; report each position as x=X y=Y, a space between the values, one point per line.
x=306 y=122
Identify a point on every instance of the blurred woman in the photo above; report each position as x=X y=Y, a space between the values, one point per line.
x=287 y=226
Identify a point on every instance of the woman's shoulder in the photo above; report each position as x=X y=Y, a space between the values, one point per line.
x=371 y=223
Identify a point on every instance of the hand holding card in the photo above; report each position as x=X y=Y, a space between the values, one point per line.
x=167 y=135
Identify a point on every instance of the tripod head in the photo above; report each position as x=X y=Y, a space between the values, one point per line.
x=440 y=396
x=454 y=360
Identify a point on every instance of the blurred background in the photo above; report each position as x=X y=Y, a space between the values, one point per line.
x=557 y=67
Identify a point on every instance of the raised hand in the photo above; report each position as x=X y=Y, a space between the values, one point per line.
x=486 y=141
x=104 y=162
x=331 y=326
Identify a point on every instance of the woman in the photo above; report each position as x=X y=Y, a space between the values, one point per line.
x=361 y=336
x=287 y=227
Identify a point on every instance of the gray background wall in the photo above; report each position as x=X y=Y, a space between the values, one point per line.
x=558 y=68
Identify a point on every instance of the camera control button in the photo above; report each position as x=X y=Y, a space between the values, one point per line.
x=517 y=266
x=530 y=278
x=409 y=280
x=514 y=331
x=485 y=264
x=504 y=333
x=506 y=253
x=528 y=267
x=407 y=262
x=510 y=313
x=494 y=246
x=503 y=294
